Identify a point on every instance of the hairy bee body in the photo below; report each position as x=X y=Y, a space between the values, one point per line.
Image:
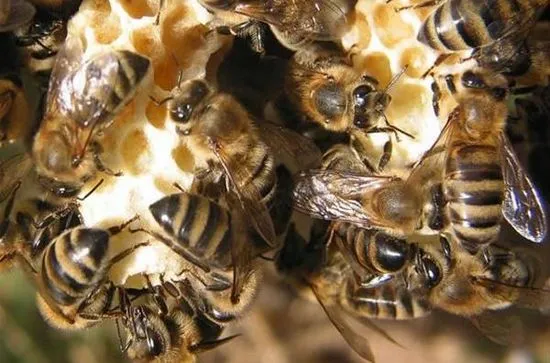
x=375 y=250
x=74 y=292
x=474 y=189
x=461 y=25
x=196 y=225
x=72 y=266
x=392 y=301
x=194 y=322
x=83 y=99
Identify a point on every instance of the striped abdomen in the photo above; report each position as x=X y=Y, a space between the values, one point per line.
x=466 y=24
x=196 y=225
x=73 y=265
x=260 y=165
x=111 y=80
x=375 y=250
x=474 y=190
x=388 y=301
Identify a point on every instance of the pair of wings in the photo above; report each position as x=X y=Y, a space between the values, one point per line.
x=74 y=87
x=280 y=141
x=315 y=19
x=335 y=195
x=248 y=198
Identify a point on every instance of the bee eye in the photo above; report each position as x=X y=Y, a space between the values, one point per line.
x=360 y=95
x=361 y=120
x=431 y=272
x=181 y=112
x=154 y=343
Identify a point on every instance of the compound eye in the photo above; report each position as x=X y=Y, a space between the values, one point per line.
x=361 y=121
x=360 y=95
x=181 y=112
x=431 y=271
x=154 y=343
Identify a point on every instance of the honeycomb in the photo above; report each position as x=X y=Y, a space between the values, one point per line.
x=143 y=145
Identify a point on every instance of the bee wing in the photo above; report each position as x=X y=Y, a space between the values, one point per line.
x=331 y=195
x=356 y=341
x=515 y=28
x=522 y=206
x=431 y=163
x=66 y=62
x=84 y=90
x=11 y=171
x=502 y=329
x=527 y=297
x=21 y=12
x=249 y=198
x=287 y=144
x=321 y=19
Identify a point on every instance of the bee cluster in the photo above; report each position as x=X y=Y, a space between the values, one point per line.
x=154 y=152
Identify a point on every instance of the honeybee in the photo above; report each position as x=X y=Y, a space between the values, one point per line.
x=14 y=14
x=204 y=233
x=323 y=88
x=294 y=23
x=324 y=272
x=40 y=42
x=15 y=120
x=192 y=324
x=395 y=206
x=223 y=136
x=477 y=286
x=483 y=179
x=83 y=98
x=73 y=289
x=486 y=28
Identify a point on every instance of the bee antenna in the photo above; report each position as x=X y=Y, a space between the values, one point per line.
x=78 y=159
x=178 y=187
x=396 y=78
x=91 y=190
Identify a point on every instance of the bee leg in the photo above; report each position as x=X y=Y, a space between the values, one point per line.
x=48 y=51
x=386 y=155
x=96 y=150
x=161 y=102
x=209 y=345
x=425 y=4
x=359 y=147
x=5 y=223
x=436 y=98
x=436 y=64
x=158 y=296
x=157 y=18
x=117 y=229
x=183 y=253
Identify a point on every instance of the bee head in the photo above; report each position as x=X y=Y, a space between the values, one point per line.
x=151 y=333
x=189 y=97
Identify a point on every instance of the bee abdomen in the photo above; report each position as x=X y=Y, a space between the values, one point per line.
x=132 y=68
x=474 y=190
x=73 y=264
x=263 y=174
x=196 y=224
x=465 y=24
x=386 y=302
